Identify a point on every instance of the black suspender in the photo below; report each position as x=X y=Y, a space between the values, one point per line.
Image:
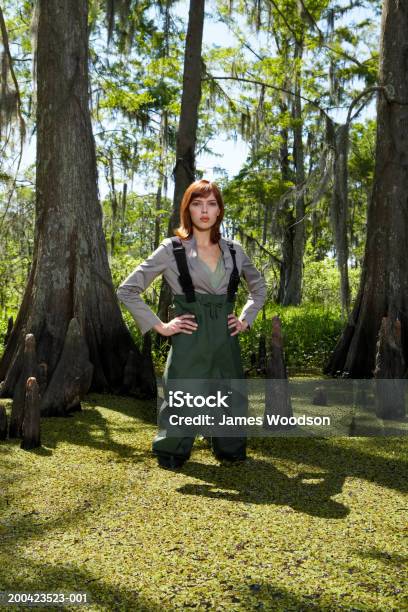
x=234 y=278
x=185 y=278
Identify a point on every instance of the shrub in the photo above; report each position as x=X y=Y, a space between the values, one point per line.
x=310 y=333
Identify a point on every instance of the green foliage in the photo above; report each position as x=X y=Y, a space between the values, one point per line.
x=311 y=330
x=361 y=173
x=310 y=333
x=135 y=230
x=362 y=152
x=321 y=282
x=126 y=101
x=16 y=249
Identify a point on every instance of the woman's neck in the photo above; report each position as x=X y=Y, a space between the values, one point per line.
x=202 y=238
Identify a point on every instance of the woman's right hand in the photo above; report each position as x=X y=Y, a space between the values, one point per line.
x=184 y=323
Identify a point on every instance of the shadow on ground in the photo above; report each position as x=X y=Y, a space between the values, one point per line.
x=259 y=482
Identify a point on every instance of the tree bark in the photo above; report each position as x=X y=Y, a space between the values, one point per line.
x=389 y=371
x=9 y=328
x=114 y=203
x=265 y=205
x=293 y=287
x=123 y=202
x=3 y=423
x=338 y=136
x=160 y=176
x=286 y=219
x=184 y=170
x=384 y=282
x=69 y=276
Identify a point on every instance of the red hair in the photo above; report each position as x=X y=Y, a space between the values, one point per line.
x=199 y=188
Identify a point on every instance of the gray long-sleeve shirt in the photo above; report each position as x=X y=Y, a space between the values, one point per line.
x=162 y=261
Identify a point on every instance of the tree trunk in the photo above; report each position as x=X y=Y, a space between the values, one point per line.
x=3 y=423
x=69 y=276
x=123 y=211
x=390 y=400
x=384 y=282
x=287 y=217
x=293 y=288
x=265 y=205
x=9 y=328
x=160 y=176
x=338 y=137
x=184 y=170
x=114 y=203
x=287 y=255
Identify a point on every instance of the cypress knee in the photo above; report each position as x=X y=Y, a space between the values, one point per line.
x=31 y=421
x=30 y=368
x=277 y=396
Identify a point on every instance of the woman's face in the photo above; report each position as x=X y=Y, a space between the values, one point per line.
x=204 y=211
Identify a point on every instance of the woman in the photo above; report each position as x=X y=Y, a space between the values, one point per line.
x=202 y=269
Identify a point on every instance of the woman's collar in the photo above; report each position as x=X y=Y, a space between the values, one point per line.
x=191 y=247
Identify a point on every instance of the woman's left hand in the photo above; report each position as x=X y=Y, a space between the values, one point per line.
x=234 y=322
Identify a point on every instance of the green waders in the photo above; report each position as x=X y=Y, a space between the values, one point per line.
x=210 y=352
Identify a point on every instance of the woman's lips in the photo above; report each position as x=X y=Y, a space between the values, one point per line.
x=204 y=218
